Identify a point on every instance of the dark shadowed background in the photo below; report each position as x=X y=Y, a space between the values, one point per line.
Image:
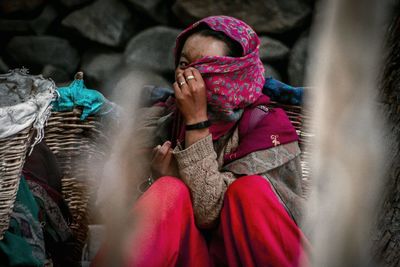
x=59 y=37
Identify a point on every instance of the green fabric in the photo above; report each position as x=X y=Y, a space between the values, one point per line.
x=77 y=95
x=15 y=251
x=15 y=248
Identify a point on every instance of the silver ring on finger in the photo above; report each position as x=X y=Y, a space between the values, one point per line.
x=190 y=77
x=182 y=83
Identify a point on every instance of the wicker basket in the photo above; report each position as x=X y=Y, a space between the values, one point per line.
x=24 y=108
x=13 y=151
x=299 y=116
x=77 y=144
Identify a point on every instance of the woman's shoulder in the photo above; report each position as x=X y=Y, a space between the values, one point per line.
x=263 y=129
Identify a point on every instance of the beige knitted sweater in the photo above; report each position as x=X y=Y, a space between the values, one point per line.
x=201 y=168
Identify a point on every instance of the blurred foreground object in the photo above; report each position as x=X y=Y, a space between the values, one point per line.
x=349 y=148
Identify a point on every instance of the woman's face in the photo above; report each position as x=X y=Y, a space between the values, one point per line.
x=198 y=46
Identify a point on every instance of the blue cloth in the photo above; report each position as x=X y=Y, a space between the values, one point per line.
x=77 y=95
x=283 y=93
x=152 y=94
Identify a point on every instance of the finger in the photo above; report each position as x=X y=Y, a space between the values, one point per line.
x=155 y=150
x=157 y=156
x=189 y=77
x=177 y=72
x=165 y=148
x=200 y=87
x=177 y=90
x=196 y=74
x=168 y=156
x=162 y=151
x=180 y=79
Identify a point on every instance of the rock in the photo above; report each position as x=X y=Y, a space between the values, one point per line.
x=73 y=3
x=99 y=67
x=21 y=6
x=3 y=66
x=38 y=25
x=153 y=49
x=263 y=15
x=58 y=75
x=105 y=21
x=297 y=62
x=39 y=51
x=271 y=72
x=272 y=50
x=14 y=26
x=45 y=19
x=159 y=10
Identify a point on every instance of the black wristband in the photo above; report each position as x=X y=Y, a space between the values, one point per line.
x=198 y=126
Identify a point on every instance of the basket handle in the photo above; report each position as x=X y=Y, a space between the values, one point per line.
x=79 y=75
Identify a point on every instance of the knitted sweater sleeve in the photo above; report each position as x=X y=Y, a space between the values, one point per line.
x=199 y=169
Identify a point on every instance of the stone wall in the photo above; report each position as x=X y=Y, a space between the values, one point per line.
x=59 y=37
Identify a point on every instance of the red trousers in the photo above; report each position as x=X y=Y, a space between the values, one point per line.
x=254 y=229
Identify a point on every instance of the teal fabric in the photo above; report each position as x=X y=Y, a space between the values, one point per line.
x=23 y=242
x=78 y=95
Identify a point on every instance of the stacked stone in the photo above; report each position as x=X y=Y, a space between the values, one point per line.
x=104 y=37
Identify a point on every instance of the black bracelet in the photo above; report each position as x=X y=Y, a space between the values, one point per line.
x=198 y=126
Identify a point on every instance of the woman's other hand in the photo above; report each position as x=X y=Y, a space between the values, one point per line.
x=163 y=162
x=190 y=93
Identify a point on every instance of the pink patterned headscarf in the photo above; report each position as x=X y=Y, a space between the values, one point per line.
x=233 y=83
x=234 y=92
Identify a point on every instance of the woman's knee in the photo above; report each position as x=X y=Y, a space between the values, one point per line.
x=245 y=186
x=170 y=188
x=166 y=196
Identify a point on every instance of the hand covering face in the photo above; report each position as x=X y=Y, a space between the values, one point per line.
x=233 y=83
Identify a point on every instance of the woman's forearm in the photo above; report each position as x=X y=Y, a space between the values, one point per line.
x=198 y=168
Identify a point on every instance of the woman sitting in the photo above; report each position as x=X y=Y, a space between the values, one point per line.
x=227 y=189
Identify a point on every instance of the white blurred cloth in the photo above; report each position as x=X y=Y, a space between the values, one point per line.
x=25 y=100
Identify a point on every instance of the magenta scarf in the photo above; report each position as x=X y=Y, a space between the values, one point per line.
x=234 y=88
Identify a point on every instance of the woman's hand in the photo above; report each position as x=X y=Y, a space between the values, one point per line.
x=190 y=93
x=163 y=163
x=191 y=99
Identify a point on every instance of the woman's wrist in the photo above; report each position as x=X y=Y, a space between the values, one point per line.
x=195 y=120
x=198 y=126
x=193 y=136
